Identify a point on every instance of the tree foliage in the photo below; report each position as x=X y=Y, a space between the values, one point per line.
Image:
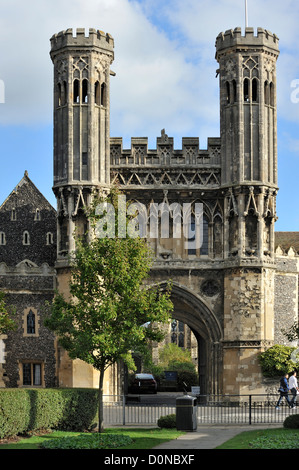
x=111 y=310
x=7 y=323
x=277 y=360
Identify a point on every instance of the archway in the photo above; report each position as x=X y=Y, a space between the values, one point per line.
x=190 y=309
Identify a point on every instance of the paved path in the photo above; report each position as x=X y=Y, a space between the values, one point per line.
x=209 y=437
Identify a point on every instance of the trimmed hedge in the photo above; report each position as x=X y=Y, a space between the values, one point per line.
x=27 y=410
x=168 y=421
x=291 y=422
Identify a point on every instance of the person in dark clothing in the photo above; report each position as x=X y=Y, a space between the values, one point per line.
x=283 y=390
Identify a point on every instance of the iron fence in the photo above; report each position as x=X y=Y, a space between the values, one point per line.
x=228 y=409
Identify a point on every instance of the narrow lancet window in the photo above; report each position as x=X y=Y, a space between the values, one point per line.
x=246 y=90
x=76 y=91
x=103 y=94
x=97 y=93
x=254 y=90
x=85 y=91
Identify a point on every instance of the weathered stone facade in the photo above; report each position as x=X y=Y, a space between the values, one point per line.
x=235 y=290
x=28 y=278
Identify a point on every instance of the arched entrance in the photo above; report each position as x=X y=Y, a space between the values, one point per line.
x=190 y=309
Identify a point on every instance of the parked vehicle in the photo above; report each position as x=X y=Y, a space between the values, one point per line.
x=144 y=383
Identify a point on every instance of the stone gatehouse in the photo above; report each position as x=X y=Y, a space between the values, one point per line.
x=236 y=289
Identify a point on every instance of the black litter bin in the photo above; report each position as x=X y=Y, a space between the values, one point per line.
x=186 y=413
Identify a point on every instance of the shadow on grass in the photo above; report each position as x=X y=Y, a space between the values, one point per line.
x=142 y=438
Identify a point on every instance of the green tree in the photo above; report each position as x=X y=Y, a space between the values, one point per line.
x=173 y=353
x=111 y=311
x=6 y=322
x=277 y=360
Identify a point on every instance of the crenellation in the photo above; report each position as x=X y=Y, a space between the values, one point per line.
x=189 y=154
x=79 y=38
x=234 y=38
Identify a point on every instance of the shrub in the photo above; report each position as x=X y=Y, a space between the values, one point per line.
x=168 y=421
x=277 y=361
x=25 y=410
x=291 y=422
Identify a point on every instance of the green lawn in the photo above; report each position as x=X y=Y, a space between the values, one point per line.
x=264 y=439
x=142 y=438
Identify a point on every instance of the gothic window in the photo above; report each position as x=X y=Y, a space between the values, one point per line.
x=49 y=238
x=254 y=90
x=97 y=93
x=32 y=374
x=246 y=90
x=103 y=94
x=2 y=238
x=37 y=216
x=26 y=238
x=191 y=236
x=267 y=93
x=204 y=250
x=85 y=91
x=271 y=94
x=13 y=214
x=31 y=323
x=76 y=93
x=178 y=333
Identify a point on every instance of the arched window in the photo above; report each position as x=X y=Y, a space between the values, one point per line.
x=178 y=333
x=85 y=91
x=103 y=94
x=271 y=100
x=191 y=236
x=267 y=93
x=13 y=214
x=31 y=323
x=254 y=90
x=26 y=238
x=49 y=238
x=204 y=250
x=2 y=238
x=76 y=91
x=37 y=216
x=246 y=90
x=97 y=93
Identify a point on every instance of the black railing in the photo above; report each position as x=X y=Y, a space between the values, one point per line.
x=211 y=409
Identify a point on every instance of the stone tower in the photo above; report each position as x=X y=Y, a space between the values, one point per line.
x=81 y=125
x=247 y=67
x=81 y=152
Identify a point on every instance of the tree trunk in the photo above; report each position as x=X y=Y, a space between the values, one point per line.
x=101 y=409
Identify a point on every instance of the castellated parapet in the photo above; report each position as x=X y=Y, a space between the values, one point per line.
x=70 y=38
x=233 y=38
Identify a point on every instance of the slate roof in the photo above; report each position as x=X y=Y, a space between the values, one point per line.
x=286 y=240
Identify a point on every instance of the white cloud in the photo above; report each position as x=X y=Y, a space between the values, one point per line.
x=164 y=58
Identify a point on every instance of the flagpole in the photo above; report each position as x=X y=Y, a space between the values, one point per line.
x=246 y=15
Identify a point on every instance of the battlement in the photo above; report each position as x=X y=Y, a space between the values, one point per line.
x=78 y=38
x=233 y=38
x=164 y=154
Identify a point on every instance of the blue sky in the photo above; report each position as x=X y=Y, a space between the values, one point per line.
x=165 y=78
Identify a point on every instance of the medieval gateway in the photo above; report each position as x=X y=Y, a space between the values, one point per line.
x=235 y=292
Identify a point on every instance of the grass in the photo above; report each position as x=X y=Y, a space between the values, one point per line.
x=139 y=438
x=264 y=439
